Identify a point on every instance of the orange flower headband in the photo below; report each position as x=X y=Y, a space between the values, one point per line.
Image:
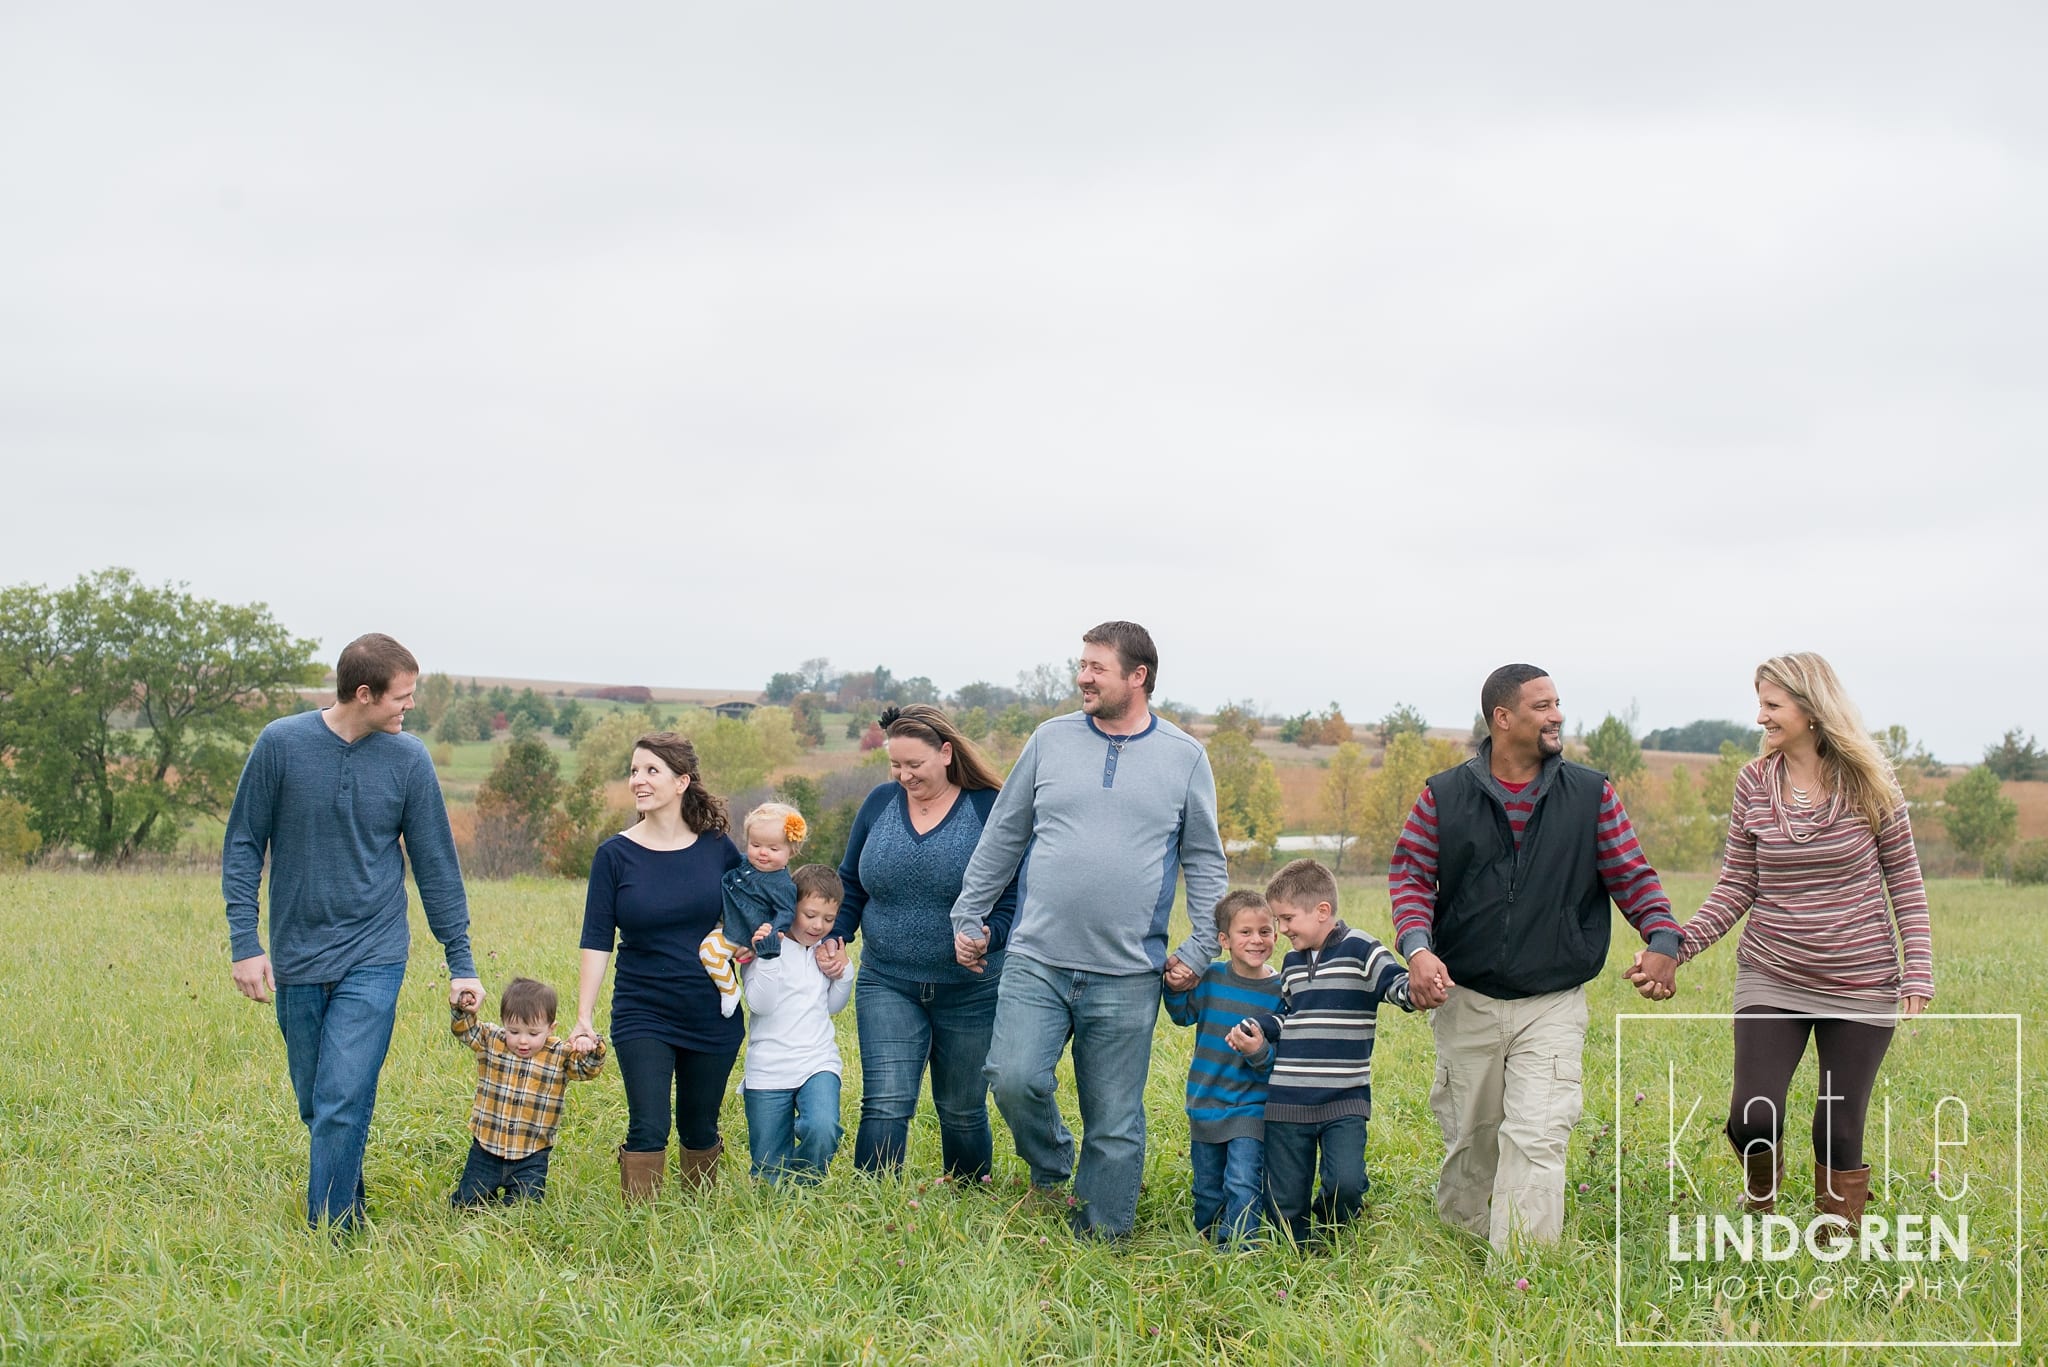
x=793 y=829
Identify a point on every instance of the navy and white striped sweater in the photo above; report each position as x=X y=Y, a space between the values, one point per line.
x=1320 y=1044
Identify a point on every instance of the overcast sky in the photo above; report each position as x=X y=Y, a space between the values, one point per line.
x=1355 y=349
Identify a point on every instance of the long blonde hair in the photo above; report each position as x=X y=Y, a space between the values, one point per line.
x=1851 y=759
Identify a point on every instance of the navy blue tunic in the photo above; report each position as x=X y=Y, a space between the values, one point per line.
x=659 y=905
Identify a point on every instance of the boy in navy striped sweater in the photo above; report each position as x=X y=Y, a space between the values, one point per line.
x=1226 y=1091
x=1319 y=1047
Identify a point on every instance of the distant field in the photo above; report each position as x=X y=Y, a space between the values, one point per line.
x=155 y=1164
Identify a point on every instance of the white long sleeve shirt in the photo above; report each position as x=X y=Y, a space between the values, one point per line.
x=790 y=1005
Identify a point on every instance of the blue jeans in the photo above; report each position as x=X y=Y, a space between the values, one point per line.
x=1110 y=1018
x=487 y=1178
x=335 y=1038
x=903 y=1026
x=1292 y=1154
x=794 y=1132
x=1230 y=1187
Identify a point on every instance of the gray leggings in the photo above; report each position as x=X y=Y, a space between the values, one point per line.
x=1768 y=1047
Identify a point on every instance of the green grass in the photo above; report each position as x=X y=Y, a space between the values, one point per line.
x=154 y=1166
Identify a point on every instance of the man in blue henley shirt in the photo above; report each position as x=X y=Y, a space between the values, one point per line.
x=327 y=795
x=1104 y=810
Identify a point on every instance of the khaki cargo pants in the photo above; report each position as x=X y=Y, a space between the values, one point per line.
x=1507 y=1094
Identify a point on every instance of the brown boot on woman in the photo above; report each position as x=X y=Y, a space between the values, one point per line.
x=640 y=1174
x=699 y=1167
x=1836 y=1192
x=1763 y=1173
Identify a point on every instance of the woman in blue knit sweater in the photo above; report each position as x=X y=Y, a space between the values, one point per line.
x=913 y=1003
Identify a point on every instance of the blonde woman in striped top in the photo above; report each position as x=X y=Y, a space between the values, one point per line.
x=1820 y=855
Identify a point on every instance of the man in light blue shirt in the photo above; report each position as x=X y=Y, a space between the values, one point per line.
x=1105 y=810
x=327 y=796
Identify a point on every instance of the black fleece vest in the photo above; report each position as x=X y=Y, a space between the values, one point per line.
x=1517 y=925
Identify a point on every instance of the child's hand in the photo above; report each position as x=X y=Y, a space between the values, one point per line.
x=583 y=1042
x=831 y=959
x=1246 y=1037
x=467 y=1000
x=762 y=933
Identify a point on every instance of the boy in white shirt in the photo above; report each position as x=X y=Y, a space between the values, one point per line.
x=791 y=1088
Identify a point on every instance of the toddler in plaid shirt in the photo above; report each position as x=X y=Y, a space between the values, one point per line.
x=522 y=1073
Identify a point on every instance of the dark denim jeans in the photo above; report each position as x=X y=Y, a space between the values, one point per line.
x=1230 y=1187
x=1110 y=1018
x=649 y=1068
x=1292 y=1153
x=793 y=1132
x=335 y=1038
x=905 y=1024
x=488 y=1179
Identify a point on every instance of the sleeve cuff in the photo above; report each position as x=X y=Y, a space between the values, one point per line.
x=1665 y=942
x=1412 y=940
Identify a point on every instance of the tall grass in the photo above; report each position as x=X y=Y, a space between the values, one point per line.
x=150 y=1197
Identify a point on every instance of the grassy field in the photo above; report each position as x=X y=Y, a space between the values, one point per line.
x=149 y=1202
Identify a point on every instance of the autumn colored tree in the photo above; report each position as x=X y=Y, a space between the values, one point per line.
x=1344 y=797
x=1248 y=808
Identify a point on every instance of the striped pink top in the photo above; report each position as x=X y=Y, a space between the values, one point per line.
x=1814 y=886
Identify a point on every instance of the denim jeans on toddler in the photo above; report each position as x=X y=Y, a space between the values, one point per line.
x=794 y=1132
x=1230 y=1188
x=488 y=1179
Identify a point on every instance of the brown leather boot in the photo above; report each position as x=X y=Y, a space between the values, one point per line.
x=640 y=1174
x=1836 y=1192
x=698 y=1168
x=1763 y=1173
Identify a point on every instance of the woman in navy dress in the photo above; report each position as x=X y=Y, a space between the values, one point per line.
x=654 y=896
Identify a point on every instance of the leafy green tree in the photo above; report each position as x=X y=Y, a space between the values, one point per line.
x=1402 y=721
x=127 y=709
x=1717 y=786
x=1248 y=804
x=1677 y=830
x=1981 y=820
x=1612 y=749
x=917 y=688
x=1294 y=728
x=468 y=718
x=533 y=705
x=783 y=688
x=729 y=755
x=984 y=695
x=2029 y=863
x=515 y=809
x=1344 y=797
x=1701 y=737
x=567 y=713
x=2016 y=759
x=605 y=749
x=1237 y=716
x=806 y=718
x=430 y=701
x=777 y=733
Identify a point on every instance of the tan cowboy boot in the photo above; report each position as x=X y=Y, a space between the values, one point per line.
x=640 y=1174
x=698 y=1168
x=1836 y=1192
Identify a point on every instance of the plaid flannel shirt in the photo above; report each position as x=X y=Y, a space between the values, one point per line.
x=519 y=1100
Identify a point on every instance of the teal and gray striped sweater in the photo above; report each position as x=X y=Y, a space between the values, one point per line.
x=1226 y=1092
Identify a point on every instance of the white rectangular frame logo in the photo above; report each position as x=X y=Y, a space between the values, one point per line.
x=2018 y=1200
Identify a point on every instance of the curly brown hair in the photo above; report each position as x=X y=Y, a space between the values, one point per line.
x=703 y=810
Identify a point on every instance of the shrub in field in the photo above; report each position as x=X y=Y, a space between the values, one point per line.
x=18 y=840
x=1247 y=793
x=2030 y=863
x=1980 y=819
x=514 y=810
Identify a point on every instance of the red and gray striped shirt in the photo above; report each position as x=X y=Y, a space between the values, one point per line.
x=1814 y=886
x=1624 y=870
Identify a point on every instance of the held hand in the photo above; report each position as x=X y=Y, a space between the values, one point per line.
x=971 y=952
x=1429 y=982
x=831 y=958
x=467 y=993
x=1179 y=977
x=253 y=978
x=1910 y=1007
x=1246 y=1038
x=582 y=1039
x=1655 y=975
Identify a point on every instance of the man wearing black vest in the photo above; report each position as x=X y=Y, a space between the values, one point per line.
x=1501 y=882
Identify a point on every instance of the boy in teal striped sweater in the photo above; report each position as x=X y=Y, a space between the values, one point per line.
x=1227 y=1093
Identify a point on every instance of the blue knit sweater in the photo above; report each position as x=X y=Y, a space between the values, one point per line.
x=1322 y=1061
x=901 y=886
x=1226 y=1091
